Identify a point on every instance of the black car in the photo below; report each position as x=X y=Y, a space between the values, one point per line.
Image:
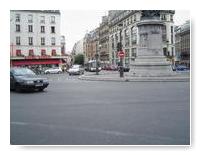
x=25 y=79
x=125 y=69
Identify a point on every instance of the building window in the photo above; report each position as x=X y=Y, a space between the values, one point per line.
x=131 y=19
x=133 y=30
x=43 y=52
x=18 y=41
x=127 y=21
x=42 y=19
x=30 y=28
x=164 y=35
x=113 y=55
x=126 y=33
x=17 y=17
x=126 y=52
x=172 y=38
x=116 y=38
x=165 y=51
x=30 y=18
x=17 y=28
x=163 y=17
x=133 y=39
x=171 y=18
x=53 y=41
x=112 y=44
x=30 y=40
x=135 y=18
x=31 y=53
x=172 y=29
x=42 y=29
x=53 y=29
x=127 y=39
x=52 y=19
x=53 y=53
x=172 y=51
x=42 y=41
x=18 y=53
x=133 y=52
x=116 y=54
x=124 y=23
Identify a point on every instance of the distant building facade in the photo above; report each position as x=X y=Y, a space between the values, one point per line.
x=77 y=48
x=63 y=45
x=35 y=38
x=182 y=44
x=91 y=48
x=104 y=41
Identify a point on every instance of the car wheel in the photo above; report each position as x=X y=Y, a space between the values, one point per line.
x=59 y=72
x=41 y=89
x=48 y=72
x=18 y=90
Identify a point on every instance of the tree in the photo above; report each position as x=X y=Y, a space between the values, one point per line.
x=79 y=59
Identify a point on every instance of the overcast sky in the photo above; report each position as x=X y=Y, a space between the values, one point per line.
x=75 y=23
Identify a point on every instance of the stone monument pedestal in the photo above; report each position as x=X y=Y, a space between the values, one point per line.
x=150 y=60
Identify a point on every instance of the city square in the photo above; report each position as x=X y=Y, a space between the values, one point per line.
x=124 y=82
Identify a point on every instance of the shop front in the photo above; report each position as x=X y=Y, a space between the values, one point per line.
x=39 y=63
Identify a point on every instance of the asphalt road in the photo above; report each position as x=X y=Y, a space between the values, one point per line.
x=75 y=112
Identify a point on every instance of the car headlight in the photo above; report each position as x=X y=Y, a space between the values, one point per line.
x=45 y=81
x=29 y=82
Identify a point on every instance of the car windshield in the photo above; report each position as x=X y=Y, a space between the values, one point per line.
x=22 y=71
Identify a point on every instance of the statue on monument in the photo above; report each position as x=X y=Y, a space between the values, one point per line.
x=150 y=14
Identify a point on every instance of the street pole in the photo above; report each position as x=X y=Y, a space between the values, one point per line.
x=96 y=61
x=96 y=65
x=121 y=70
x=12 y=49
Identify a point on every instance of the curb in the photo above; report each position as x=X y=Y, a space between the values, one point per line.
x=135 y=79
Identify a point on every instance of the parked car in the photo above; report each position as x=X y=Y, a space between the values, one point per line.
x=180 y=68
x=25 y=79
x=126 y=69
x=76 y=70
x=53 y=70
x=111 y=68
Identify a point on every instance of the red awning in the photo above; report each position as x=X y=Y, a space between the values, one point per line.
x=35 y=62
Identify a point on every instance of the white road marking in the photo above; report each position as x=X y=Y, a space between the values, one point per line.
x=114 y=133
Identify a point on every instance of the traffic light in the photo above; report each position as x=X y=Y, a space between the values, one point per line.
x=119 y=46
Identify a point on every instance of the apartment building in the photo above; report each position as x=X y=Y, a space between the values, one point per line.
x=182 y=44
x=35 y=39
x=104 y=41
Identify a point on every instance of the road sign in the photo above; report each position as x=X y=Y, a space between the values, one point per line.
x=121 y=54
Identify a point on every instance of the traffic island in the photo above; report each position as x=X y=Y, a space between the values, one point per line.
x=116 y=78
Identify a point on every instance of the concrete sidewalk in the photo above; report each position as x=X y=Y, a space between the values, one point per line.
x=130 y=77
